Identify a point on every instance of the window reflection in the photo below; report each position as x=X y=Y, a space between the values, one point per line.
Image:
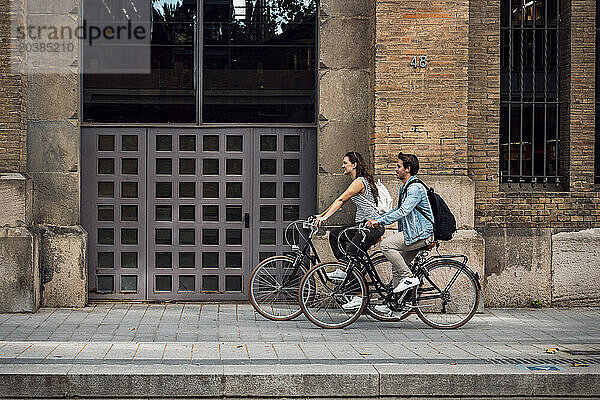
x=258 y=64
x=259 y=61
x=168 y=93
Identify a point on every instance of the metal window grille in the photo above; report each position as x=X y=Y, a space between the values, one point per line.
x=530 y=91
x=597 y=169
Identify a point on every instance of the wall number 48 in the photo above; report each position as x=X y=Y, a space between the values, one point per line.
x=419 y=62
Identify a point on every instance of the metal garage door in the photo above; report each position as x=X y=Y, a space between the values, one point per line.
x=185 y=213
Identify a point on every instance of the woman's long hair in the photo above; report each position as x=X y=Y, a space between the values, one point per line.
x=361 y=170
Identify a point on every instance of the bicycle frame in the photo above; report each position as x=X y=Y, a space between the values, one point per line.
x=308 y=251
x=418 y=266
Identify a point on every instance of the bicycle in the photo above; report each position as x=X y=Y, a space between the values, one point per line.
x=274 y=283
x=446 y=298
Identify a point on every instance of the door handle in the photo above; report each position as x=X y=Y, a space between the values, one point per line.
x=247 y=220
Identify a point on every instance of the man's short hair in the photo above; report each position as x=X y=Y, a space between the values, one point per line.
x=409 y=160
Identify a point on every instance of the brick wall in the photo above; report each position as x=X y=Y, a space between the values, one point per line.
x=421 y=110
x=426 y=111
x=484 y=105
x=576 y=207
x=12 y=93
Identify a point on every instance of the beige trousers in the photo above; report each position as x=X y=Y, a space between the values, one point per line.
x=400 y=254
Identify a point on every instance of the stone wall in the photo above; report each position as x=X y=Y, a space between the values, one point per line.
x=346 y=34
x=15 y=199
x=53 y=133
x=518 y=222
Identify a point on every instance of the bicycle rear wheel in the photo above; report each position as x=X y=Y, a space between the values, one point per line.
x=273 y=288
x=322 y=298
x=448 y=295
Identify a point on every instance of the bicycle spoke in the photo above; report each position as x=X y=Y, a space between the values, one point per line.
x=322 y=299
x=452 y=281
x=274 y=288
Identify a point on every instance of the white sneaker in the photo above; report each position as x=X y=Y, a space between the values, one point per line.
x=384 y=309
x=353 y=304
x=406 y=283
x=337 y=275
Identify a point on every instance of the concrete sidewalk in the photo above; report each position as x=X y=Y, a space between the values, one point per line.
x=209 y=350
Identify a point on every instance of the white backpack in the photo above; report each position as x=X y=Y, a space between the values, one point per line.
x=385 y=202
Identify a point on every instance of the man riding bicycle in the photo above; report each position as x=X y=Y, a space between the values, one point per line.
x=415 y=230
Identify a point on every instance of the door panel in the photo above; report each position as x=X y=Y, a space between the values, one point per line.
x=186 y=213
x=198 y=193
x=113 y=211
x=284 y=185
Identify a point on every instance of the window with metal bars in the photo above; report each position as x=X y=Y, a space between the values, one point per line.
x=530 y=91
x=597 y=165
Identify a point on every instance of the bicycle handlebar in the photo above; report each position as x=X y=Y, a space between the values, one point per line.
x=308 y=224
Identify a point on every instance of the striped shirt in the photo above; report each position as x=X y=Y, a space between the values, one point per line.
x=365 y=203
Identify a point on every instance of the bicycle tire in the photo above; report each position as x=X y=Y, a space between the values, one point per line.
x=321 y=298
x=370 y=308
x=458 y=300
x=269 y=295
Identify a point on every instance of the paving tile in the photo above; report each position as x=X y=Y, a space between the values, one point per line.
x=342 y=350
x=261 y=351
x=121 y=351
x=150 y=351
x=450 y=350
x=235 y=351
x=316 y=351
x=12 y=350
x=94 y=351
x=369 y=350
x=286 y=351
x=398 y=350
x=182 y=351
x=206 y=351
x=38 y=350
x=425 y=350
x=66 y=351
x=505 y=350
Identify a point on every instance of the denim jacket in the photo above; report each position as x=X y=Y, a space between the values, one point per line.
x=414 y=224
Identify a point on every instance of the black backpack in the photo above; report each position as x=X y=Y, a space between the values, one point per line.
x=444 y=223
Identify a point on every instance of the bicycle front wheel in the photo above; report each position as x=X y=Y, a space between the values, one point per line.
x=448 y=296
x=325 y=300
x=273 y=288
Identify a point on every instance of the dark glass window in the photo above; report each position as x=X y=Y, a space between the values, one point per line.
x=259 y=61
x=530 y=91
x=168 y=92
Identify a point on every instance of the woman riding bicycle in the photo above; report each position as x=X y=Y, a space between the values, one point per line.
x=363 y=193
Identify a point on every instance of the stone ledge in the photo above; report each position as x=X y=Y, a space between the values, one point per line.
x=63 y=265
x=20 y=277
x=15 y=199
x=308 y=381
x=576 y=268
x=517 y=268
x=457 y=191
